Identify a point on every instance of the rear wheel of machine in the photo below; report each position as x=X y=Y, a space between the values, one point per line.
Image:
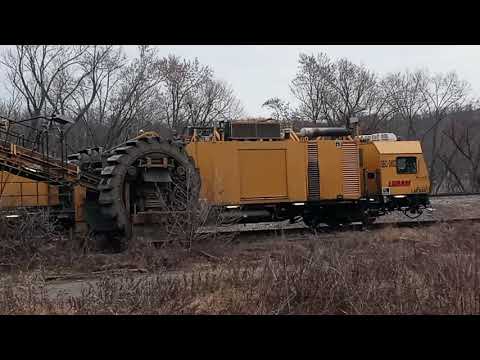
x=114 y=180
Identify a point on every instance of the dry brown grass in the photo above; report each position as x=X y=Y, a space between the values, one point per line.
x=393 y=271
x=29 y=240
x=34 y=242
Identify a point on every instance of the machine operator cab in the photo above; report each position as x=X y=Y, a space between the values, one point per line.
x=394 y=172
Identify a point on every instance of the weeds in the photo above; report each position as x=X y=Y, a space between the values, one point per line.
x=430 y=271
x=27 y=239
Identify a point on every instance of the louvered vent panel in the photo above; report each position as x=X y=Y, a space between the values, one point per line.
x=351 y=170
x=313 y=172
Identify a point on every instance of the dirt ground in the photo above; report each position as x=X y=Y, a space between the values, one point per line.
x=248 y=251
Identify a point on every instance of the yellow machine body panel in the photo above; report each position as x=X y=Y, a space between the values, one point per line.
x=399 y=168
x=331 y=176
x=17 y=191
x=255 y=166
x=369 y=166
x=254 y=172
x=246 y=172
x=398 y=147
x=339 y=169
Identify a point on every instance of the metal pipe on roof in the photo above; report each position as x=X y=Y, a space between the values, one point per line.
x=324 y=131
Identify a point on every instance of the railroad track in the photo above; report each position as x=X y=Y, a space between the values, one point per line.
x=285 y=229
x=280 y=229
x=454 y=194
x=301 y=230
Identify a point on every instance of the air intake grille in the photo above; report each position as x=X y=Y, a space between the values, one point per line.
x=313 y=172
x=255 y=130
x=350 y=169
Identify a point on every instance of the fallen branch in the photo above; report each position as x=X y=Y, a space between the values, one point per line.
x=210 y=256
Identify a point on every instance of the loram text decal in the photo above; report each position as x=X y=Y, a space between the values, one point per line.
x=399 y=183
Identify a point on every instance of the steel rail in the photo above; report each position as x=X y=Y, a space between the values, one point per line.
x=302 y=230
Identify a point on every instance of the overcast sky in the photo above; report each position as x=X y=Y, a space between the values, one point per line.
x=257 y=73
x=260 y=72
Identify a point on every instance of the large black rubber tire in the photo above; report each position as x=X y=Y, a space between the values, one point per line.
x=111 y=187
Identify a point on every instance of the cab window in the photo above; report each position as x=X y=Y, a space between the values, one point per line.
x=407 y=165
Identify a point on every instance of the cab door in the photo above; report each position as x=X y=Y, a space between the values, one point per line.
x=422 y=181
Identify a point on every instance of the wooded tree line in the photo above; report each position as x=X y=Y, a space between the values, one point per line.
x=110 y=98
x=437 y=109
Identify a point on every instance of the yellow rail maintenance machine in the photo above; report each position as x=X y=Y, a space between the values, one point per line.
x=253 y=169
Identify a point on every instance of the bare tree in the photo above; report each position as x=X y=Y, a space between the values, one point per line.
x=151 y=92
x=134 y=89
x=333 y=92
x=377 y=112
x=84 y=102
x=34 y=69
x=404 y=93
x=210 y=102
x=11 y=107
x=354 y=87
x=466 y=142
x=450 y=174
x=443 y=95
x=281 y=111
x=422 y=102
x=64 y=80
x=311 y=88
x=190 y=95
x=180 y=79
